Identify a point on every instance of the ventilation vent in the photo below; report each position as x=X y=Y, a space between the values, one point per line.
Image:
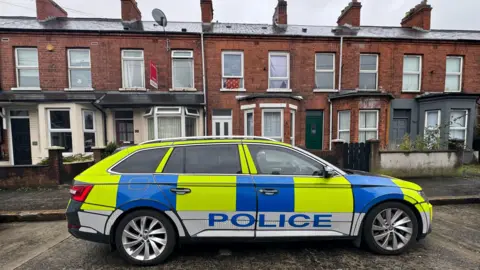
x=264 y=27
x=94 y=43
x=184 y=29
x=229 y=26
x=5 y=39
x=304 y=30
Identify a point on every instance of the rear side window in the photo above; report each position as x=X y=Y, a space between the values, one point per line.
x=205 y=159
x=145 y=161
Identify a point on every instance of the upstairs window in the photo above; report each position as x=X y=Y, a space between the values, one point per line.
x=232 y=70
x=412 y=73
x=453 y=79
x=325 y=71
x=133 y=68
x=368 y=72
x=27 y=68
x=279 y=71
x=79 y=68
x=182 y=63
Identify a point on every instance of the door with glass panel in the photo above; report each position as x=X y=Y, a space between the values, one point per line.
x=222 y=122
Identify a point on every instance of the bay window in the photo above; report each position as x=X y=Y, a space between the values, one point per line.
x=133 y=69
x=368 y=126
x=88 y=130
x=292 y=127
x=272 y=124
x=458 y=125
x=182 y=68
x=232 y=70
x=172 y=122
x=249 y=123
x=26 y=60
x=344 y=126
x=279 y=71
x=59 y=128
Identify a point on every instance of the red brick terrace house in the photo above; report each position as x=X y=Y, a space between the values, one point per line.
x=82 y=82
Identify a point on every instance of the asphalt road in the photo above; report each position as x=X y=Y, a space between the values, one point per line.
x=453 y=244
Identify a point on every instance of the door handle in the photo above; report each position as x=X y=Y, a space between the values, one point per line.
x=269 y=191
x=180 y=191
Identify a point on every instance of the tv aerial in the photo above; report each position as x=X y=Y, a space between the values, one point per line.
x=162 y=21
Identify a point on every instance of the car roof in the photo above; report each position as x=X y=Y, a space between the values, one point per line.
x=202 y=141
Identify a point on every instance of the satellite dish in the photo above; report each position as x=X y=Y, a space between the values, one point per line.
x=159 y=17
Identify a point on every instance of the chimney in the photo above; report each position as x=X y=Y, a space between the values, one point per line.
x=280 y=15
x=130 y=11
x=418 y=17
x=207 y=10
x=350 y=14
x=48 y=10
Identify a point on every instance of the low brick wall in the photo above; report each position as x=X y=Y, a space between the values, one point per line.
x=71 y=170
x=26 y=176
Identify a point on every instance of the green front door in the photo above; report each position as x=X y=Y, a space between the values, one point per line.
x=314 y=130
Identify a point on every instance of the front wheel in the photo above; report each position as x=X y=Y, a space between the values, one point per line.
x=145 y=237
x=390 y=228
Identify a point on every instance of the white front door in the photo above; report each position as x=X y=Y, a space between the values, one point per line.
x=222 y=126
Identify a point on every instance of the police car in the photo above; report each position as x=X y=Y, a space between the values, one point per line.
x=147 y=198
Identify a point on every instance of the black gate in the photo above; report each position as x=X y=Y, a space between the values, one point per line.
x=356 y=156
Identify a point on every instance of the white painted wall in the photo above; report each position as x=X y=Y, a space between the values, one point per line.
x=414 y=161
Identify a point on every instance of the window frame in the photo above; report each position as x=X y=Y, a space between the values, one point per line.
x=368 y=71
x=439 y=117
x=18 y=68
x=293 y=115
x=124 y=58
x=281 y=123
x=459 y=74
x=245 y=123
x=85 y=130
x=287 y=89
x=325 y=71
x=193 y=69
x=465 y=129
x=242 y=77
x=70 y=68
x=418 y=73
x=349 y=126
x=62 y=130
x=360 y=129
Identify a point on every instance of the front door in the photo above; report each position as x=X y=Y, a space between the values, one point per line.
x=21 y=141
x=399 y=129
x=293 y=197
x=222 y=127
x=314 y=130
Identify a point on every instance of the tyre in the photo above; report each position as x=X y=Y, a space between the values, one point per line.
x=145 y=237
x=390 y=228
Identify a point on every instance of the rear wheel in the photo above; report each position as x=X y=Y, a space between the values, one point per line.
x=145 y=237
x=390 y=228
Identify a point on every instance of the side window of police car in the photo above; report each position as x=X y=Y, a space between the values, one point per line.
x=144 y=161
x=205 y=159
x=281 y=161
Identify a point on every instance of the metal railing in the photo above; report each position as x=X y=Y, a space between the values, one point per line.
x=206 y=138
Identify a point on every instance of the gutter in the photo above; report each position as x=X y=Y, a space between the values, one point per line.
x=205 y=112
x=104 y=116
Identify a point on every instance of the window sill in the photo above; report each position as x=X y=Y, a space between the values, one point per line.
x=325 y=90
x=410 y=91
x=233 y=90
x=453 y=91
x=279 y=90
x=79 y=89
x=133 y=89
x=26 y=88
x=182 y=89
x=368 y=90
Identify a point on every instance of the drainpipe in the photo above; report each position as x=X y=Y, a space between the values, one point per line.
x=204 y=87
x=339 y=89
x=104 y=116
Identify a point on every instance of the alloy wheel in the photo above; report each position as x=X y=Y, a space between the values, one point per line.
x=144 y=238
x=392 y=229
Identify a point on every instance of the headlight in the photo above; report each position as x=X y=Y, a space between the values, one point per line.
x=421 y=193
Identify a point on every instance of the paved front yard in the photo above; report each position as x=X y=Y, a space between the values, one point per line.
x=454 y=244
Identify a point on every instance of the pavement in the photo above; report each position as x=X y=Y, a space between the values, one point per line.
x=453 y=244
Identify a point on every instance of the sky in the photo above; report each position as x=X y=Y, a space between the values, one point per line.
x=446 y=14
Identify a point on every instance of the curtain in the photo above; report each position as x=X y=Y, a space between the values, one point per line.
x=344 y=135
x=345 y=120
x=432 y=119
x=278 y=66
x=169 y=127
x=411 y=82
x=133 y=76
x=272 y=124
x=368 y=120
x=452 y=82
x=151 y=128
x=190 y=126
x=183 y=73
x=411 y=64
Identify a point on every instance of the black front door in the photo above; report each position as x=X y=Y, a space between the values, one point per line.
x=21 y=141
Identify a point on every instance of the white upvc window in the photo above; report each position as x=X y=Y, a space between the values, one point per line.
x=279 y=72
x=458 y=124
x=272 y=124
x=249 y=127
x=26 y=62
x=79 y=69
x=292 y=126
x=344 y=126
x=368 y=125
x=133 y=69
x=232 y=71
x=368 y=79
x=412 y=73
x=432 y=126
x=325 y=71
x=59 y=129
x=182 y=70
x=172 y=122
x=89 y=137
x=453 y=79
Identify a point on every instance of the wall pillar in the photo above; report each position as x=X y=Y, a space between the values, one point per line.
x=459 y=147
x=337 y=148
x=55 y=162
x=374 y=155
x=98 y=154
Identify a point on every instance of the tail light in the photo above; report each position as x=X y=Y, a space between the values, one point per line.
x=80 y=193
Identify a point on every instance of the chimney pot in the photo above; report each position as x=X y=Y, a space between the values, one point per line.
x=130 y=11
x=207 y=11
x=48 y=9
x=418 y=17
x=350 y=14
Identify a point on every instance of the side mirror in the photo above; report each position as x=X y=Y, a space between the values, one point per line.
x=327 y=172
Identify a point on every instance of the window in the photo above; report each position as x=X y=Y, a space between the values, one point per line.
x=60 y=129
x=344 y=126
x=124 y=127
x=27 y=68
x=79 y=68
x=368 y=72
x=272 y=124
x=232 y=68
x=279 y=71
x=280 y=161
x=412 y=73
x=89 y=130
x=432 y=126
x=249 y=123
x=172 y=122
x=182 y=63
x=133 y=69
x=368 y=126
x=192 y=159
x=325 y=71
x=458 y=125
x=144 y=161
x=453 y=80
x=292 y=127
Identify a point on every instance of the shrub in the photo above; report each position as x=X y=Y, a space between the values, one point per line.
x=109 y=149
